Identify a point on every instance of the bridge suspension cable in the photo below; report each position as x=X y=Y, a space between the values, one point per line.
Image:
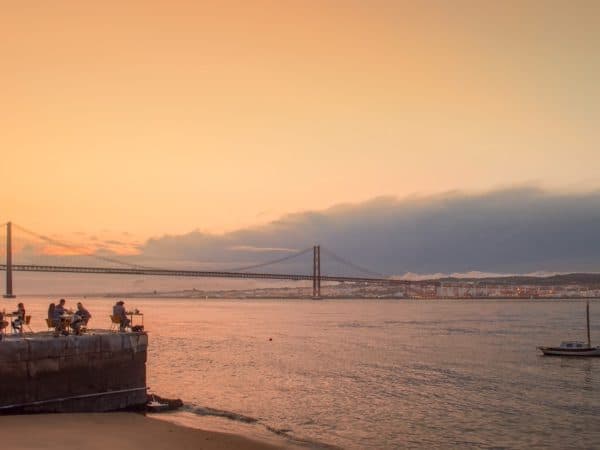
x=325 y=251
x=350 y=264
x=138 y=266
x=75 y=248
x=275 y=261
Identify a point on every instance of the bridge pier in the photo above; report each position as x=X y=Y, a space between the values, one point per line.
x=316 y=272
x=9 y=283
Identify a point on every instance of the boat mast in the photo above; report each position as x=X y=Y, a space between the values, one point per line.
x=587 y=313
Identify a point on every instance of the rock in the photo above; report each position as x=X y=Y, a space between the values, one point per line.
x=171 y=403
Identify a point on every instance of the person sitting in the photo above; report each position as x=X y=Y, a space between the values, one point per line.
x=80 y=319
x=119 y=311
x=18 y=323
x=57 y=319
x=3 y=324
x=83 y=313
x=76 y=323
x=60 y=309
x=51 y=308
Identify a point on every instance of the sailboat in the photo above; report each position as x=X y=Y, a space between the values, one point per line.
x=574 y=348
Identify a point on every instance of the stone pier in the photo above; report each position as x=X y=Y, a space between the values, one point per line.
x=95 y=372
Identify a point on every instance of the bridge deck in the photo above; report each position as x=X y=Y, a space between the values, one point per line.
x=194 y=273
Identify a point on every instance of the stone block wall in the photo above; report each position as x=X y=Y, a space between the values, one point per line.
x=93 y=373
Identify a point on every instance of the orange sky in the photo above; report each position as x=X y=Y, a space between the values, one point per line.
x=168 y=116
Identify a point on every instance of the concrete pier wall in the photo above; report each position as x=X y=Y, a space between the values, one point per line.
x=92 y=372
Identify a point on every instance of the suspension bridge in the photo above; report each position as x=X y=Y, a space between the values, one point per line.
x=123 y=267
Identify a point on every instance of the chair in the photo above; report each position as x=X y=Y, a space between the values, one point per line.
x=27 y=322
x=50 y=325
x=17 y=326
x=115 y=323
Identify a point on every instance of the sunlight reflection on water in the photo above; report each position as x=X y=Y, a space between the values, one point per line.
x=375 y=374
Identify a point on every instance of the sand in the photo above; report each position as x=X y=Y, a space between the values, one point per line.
x=123 y=431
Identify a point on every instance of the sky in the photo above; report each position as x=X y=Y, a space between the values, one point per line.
x=135 y=120
x=519 y=230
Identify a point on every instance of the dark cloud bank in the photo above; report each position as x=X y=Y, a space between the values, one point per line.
x=508 y=231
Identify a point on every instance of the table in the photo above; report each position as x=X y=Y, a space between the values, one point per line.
x=10 y=316
x=133 y=313
x=65 y=322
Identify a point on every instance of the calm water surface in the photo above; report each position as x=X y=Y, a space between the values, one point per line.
x=362 y=374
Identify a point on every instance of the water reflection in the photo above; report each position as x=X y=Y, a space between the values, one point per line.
x=376 y=374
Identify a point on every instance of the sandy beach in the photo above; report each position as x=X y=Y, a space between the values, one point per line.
x=99 y=431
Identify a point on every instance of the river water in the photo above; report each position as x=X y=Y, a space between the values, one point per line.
x=363 y=374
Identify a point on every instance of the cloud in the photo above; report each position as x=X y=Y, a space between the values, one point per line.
x=516 y=230
x=510 y=231
x=250 y=248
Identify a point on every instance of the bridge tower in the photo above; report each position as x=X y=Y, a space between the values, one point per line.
x=316 y=271
x=9 y=285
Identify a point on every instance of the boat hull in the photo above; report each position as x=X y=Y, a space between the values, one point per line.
x=557 y=351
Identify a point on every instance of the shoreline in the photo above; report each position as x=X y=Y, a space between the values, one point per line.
x=123 y=430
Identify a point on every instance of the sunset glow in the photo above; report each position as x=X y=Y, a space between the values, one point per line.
x=155 y=117
x=350 y=224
